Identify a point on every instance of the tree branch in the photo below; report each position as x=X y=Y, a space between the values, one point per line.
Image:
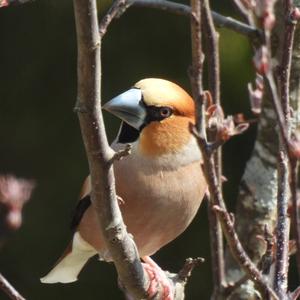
x=115 y=11
x=295 y=209
x=285 y=161
x=282 y=228
x=216 y=235
x=99 y=154
x=10 y=291
x=185 y=10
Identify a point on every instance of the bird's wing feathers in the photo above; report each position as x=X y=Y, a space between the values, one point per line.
x=81 y=207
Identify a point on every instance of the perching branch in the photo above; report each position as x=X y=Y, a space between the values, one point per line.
x=10 y=291
x=99 y=154
x=220 y=21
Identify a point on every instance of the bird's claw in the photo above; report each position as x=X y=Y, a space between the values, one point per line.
x=157 y=277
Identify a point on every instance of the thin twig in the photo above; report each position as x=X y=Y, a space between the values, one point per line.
x=220 y=20
x=295 y=294
x=268 y=258
x=244 y=7
x=99 y=154
x=242 y=258
x=278 y=110
x=241 y=9
x=264 y=264
x=115 y=11
x=10 y=291
x=232 y=286
x=216 y=236
x=286 y=58
x=189 y=265
x=122 y=153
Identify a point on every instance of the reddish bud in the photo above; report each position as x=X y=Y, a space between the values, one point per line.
x=269 y=21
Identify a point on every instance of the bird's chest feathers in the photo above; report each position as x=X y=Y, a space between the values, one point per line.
x=153 y=178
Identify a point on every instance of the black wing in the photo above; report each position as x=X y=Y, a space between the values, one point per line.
x=79 y=211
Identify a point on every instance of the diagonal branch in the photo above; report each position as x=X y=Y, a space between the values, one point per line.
x=10 y=291
x=185 y=10
x=115 y=11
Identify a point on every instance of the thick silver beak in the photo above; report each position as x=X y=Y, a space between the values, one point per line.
x=128 y=107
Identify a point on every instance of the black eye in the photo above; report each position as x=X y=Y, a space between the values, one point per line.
x=165 y=112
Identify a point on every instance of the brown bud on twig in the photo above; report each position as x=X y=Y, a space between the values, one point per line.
x=224 y=127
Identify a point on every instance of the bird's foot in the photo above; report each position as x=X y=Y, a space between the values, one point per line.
x=157 y=277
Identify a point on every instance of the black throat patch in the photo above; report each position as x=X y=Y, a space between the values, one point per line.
x=128 y=134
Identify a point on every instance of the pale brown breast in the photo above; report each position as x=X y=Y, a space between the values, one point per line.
x=160 y=202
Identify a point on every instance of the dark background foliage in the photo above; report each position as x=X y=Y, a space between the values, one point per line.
x=40 y=136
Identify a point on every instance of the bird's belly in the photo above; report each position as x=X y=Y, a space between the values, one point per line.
x=158 y=205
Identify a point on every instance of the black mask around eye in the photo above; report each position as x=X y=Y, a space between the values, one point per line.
x=157 y=113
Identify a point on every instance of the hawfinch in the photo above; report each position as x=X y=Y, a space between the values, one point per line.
x=161 y=182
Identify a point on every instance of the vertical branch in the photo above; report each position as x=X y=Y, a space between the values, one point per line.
x=282 y=229
x=100 y=155
x=295 y=209
x=216 y=236
x=197 y=66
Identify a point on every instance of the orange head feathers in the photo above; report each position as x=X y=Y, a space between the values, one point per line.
x=158 y=112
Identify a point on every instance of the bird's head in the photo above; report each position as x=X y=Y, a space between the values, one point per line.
x=155 y=112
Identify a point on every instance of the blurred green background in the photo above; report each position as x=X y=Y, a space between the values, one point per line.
x=40 y=136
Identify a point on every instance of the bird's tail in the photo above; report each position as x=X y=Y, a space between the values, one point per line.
x=72 y=261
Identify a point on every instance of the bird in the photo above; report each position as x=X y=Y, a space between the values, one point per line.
x=161 y=183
